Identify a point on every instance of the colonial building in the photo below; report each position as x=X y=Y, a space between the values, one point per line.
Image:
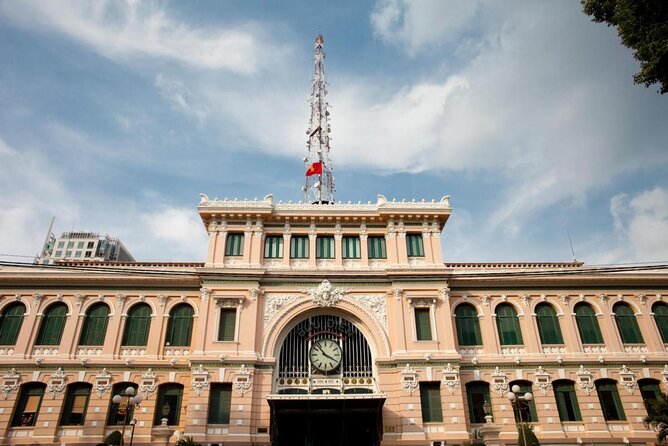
x=329 y=323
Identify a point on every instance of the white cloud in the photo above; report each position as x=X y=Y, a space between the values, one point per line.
x=177 y=231
x=129 y=29
x=179 y=97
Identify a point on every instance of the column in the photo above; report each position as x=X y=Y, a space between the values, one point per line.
x=428 y=254
x=205 y=325
x=257 y=248
x=436 y=244
x=391 y=244
x=31 y=324
x=364 y=250
x=219 y=258
x=312 y=239
x=286 y=246
x=248 y=244
x=213 y=241
x=338 y=250
x=402 y=251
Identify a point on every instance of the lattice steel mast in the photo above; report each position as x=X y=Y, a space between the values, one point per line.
x=319 y=187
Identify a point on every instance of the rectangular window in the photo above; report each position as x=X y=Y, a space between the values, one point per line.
x=61 y=244
x=477 y=394
x=273 y=247
x=70 y=245
x=27 y=407
x=74 y=409
x=91 y=245
x=423 y=324
x=77 y=254
x=220 y=403
x=80 y=245
x=324 y=247
x=430 y=400
x=525 y=411
x=376 y=247
x=228 y=318
x=351 y=248
x=610 y=402
x=299 y=248
x=68 y=253
x=234 y=245
x=567 y=402
x=414 y=245
x=89 y=253
x=59 y=253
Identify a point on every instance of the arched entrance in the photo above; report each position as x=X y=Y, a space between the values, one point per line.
x=325 y=392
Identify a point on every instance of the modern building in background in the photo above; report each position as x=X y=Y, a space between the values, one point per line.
x=326 y=323
x=83 y=246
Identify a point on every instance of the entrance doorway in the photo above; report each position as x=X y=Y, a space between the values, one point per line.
x=326 y=422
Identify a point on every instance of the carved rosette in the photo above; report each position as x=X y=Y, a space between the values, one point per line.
x=102 y=382
x=243 y=380
x=450 y=378
x=10 y=383
x=409 y=379
x=57 y=383
x=326 y=295
x=585 y=380
x=200 y=380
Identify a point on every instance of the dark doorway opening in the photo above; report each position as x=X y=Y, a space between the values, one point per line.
x=326 y=422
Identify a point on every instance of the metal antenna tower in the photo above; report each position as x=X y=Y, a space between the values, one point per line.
x=319 y=187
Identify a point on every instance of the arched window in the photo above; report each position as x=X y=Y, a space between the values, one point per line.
x=468 y=325
x=548 y=325
x=116 y=417
x=76 y=404
x=137 y=325
x=11 y=320
x=180 y=326
x=650 y=392
x=590 y=332
x=608 y=396
x=53 y=323
x=168 y=404
x=627 y=324
x=95 y=325
x=567 y=400
x=525 y=411
x=660 y=311
x=508 y=325
x=477 y=394
x=28 y=403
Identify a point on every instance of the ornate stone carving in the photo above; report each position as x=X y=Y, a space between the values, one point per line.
x=585 y=380
x=499 y=381
x=200 y=380
x=37 y=299
x=148 y=383
x=120 y=300
x=102 y=382
x=10 y=383
x=641 y=298
x=602 y=298
x=409 y=379
x=564 y=299
x=79 y=299
x=525 y=299
x=450 y=378
x=542 y=380
x=485 y=299
x=397 y=293
x=163 y=300
x=57 y=383
x=444 y=294
x=229 y=301
x=243 y=380
x=377 y=305
x=274 y=303
x=254 y=293
x=204 y=294
x=627 y=379
x=325 y=295
x=421 y=302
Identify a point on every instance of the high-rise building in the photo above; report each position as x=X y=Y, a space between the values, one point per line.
x=330 y=323
x=81 y=245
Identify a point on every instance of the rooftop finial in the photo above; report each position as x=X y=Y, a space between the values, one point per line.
x=319 y=187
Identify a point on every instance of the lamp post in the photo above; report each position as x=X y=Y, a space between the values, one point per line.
x=129 y=404
x=133 y=422
x=517 y=400
x=487 y=409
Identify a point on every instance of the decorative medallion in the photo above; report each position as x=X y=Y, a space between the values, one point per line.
x=57 y=383
x=451 y=378
x=243 y=380
x=79 y=299
x=542 y=380
x=409 y=379
x=204 y=294
x=325 y=295
x=499 y=381
x=10 y=383
x=627 y=379
x=585 y=380
x=120 y=300
x=102 y=382
x=148 y=383
x=200 y=380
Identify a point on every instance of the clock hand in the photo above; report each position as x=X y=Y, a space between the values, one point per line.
x=325 y=354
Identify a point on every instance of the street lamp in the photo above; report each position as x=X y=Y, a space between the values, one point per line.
x=129 y=404
x=487 y=409
x=517 y=400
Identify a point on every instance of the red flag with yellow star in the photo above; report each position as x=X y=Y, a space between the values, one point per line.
x=314 y=169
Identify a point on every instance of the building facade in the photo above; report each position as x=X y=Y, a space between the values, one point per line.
x=330 y=324
x=82 y=245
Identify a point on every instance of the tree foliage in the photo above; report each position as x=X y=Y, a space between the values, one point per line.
x=643 y=26
x=187 y=441
x=114 y=438
x=657 y=419
x=526 y=435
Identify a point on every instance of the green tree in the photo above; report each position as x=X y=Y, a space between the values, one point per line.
x=643 y=26
x=187 y=441
x=526 y=435
x=114 y=438
x=657 y=419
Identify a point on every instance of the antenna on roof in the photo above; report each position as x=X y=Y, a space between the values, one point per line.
x=571 y=243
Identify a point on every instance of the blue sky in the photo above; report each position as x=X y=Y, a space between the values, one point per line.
x=117 y=114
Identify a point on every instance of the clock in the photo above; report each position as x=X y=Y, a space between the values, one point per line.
x=325 y=355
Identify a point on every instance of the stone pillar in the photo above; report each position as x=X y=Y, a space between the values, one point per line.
x=213 y=242
x=219 y=258
x=338 y=250
x=391 y=245
x=436 y=244
x=29 y=328
x=286 y=246
x=402 y=251
x=426 y=242
x=205 y=325
x=312 y=240
x=364 y=250
x=257 y=248
x=248 y=244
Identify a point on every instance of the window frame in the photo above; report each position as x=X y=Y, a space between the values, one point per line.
x=467 y=326
x=588 y=326
x=650 y=391
x=627 y=324
x=567 y=400
x=74 y=391
x=131 y=320
x=223 y=328
x=112 y=414
x=234 y=244
x=174 y=415
x=273 y=247
x=182 y=323
x=547 y=322
x=423 y=332
x=376 y=243
x=220 y=394
x=611 y=395
x=353 y=241
x=414 y=245
x=430 y=402
x=325 y=247
x=94 y=329
x=27 y=390
x=477 y=411
x=508 y=321
x=10 y=324
x=54 y=323
x=297 y=250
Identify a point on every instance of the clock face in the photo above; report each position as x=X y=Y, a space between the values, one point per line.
x=325 y=355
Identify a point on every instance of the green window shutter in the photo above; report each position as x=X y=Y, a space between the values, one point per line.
x=228 y=317
x=548 y=325
x=114 y=417
x=627 y=324
x=468 y=325
x=11 y=321
x=273 y=247
x=587 y=322
x=414 y=245
x=53 y=323
x=376 y=247
x=95 y=325
x=234 y=245
x=75 y=405
x=351 y=247
x=169 y=401
x=477 y=393
x=567 y=401
x=650 y=392
x=527 y=410
x=609 y=399
x=179 y=328
x=508 y=325
x=28 y=404
x=299 y=247
x=220 y=403
x=430 y=400
x=324 y=247
x=660 y=311
x=423 y=324
x=137 y=325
